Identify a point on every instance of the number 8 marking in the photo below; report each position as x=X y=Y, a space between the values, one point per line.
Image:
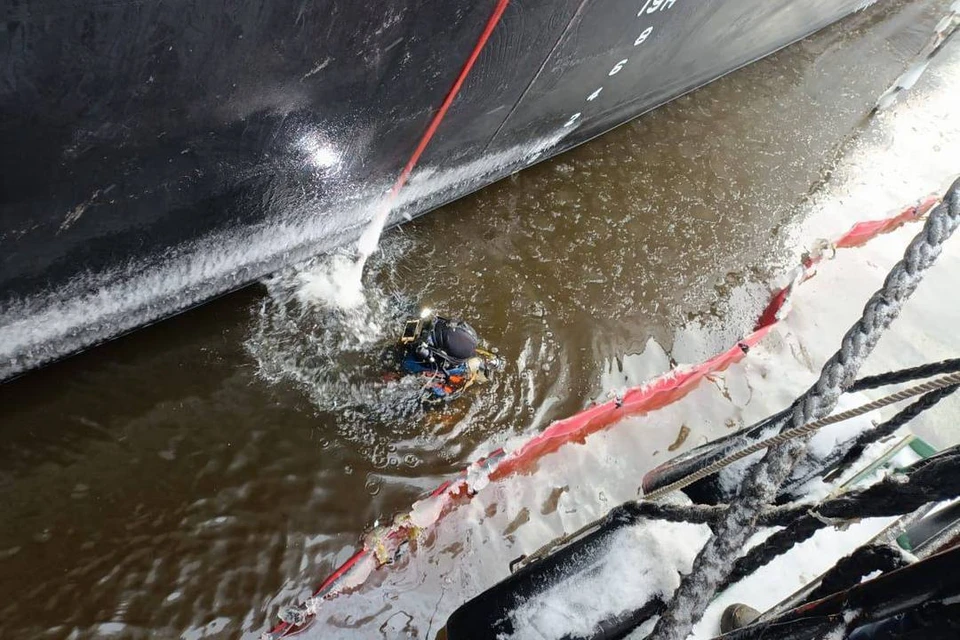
x=643 y=36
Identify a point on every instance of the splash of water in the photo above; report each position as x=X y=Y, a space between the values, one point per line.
x=370 y=239
x=339 y=282
x=335 y=281
x=324 y=326
x=316 y=330
x=323 y=329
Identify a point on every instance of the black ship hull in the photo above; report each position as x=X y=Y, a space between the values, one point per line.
x=156 y=154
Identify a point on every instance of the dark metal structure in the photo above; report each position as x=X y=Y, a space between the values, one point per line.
x=158 y=153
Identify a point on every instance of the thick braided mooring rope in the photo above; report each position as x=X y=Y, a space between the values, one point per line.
x=763 y=480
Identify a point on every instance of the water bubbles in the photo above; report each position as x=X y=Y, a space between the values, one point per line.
x=372 y=486
x=379 y=460
x=43 y=536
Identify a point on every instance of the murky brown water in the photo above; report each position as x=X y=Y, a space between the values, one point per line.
x=160 y=486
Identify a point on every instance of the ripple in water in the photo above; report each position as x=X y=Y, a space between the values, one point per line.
x=319 y=329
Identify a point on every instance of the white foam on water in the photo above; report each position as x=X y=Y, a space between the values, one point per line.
x=336 y=282
x=427 y=511
x=322 y=307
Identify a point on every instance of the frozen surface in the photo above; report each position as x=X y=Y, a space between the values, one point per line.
x=641 y=561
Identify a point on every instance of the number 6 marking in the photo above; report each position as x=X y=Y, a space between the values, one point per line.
x=617 y=67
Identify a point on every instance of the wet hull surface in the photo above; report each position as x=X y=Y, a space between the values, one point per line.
x=161 y=153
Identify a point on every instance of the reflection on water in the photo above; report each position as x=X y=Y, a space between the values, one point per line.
x=188 y=478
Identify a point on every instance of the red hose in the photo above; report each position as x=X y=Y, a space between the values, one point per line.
x=451 y=95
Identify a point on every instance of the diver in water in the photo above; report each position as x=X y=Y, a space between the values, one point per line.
x=447 y=353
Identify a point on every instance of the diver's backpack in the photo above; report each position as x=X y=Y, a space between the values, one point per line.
x=455 y=338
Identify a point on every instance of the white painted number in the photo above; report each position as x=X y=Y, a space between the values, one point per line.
x=649 y=7
x=617 y=67
x=652 y=6
x=643 y=36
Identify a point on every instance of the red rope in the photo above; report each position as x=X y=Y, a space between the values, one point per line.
x=451 y=95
